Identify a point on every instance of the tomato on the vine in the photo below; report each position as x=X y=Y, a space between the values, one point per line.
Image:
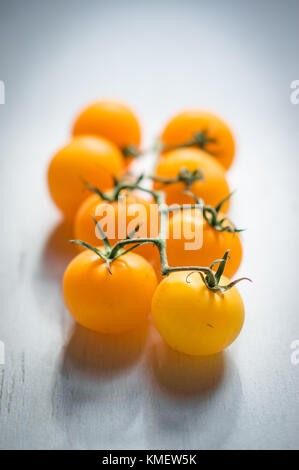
x=212 y=133
x=109 y=302
x=110 y=119
x=212 y=188
x=91 y=159
x=209 y=245
x=193 y=319
x=118 y=219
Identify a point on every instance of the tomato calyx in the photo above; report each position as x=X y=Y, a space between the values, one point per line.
x=200 y=139
x=212 y=283
x=212 y=215
x=184 y=176
x=126 y=183
x=110 y=253
x=131 y=151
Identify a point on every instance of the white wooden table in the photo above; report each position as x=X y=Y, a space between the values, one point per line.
x=63 y=387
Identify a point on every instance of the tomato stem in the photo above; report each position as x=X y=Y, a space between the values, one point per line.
x=200 y=139
x=184 y=176
x=110 y=254
x=210 y=214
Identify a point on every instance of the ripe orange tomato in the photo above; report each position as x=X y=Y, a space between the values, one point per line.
x=110 y=119
x=214 y=243
x=118 y=219
x=93 y=159
x=212 y=189
x=109 y=303
x=194 y=320
x=182 y=127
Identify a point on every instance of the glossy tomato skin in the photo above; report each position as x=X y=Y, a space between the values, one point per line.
x=181 y=128
x=213 y=243
x=123 y=215
x=110 y=119
x=194 y=320
x=122 y=218
x=212 y=189
x=92 y=159
x=109 y=303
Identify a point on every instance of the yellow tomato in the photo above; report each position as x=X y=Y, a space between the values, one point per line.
x=211 y=244
x=194 y=320
x=118 y=219
x=212 y=189
x=109 y=303
x=182 y=127
x=93 y=159
x=110 y=119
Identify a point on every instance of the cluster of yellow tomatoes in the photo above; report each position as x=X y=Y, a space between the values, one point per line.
x=113 y=291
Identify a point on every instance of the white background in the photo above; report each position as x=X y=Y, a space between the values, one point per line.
x=63 y=387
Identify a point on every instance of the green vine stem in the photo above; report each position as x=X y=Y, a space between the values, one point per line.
x=132 y=151
x=184 y=176
x=210 y=214
x=200 y=139
x=110 y=254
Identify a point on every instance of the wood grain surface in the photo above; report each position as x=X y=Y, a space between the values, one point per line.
x=63 y=387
